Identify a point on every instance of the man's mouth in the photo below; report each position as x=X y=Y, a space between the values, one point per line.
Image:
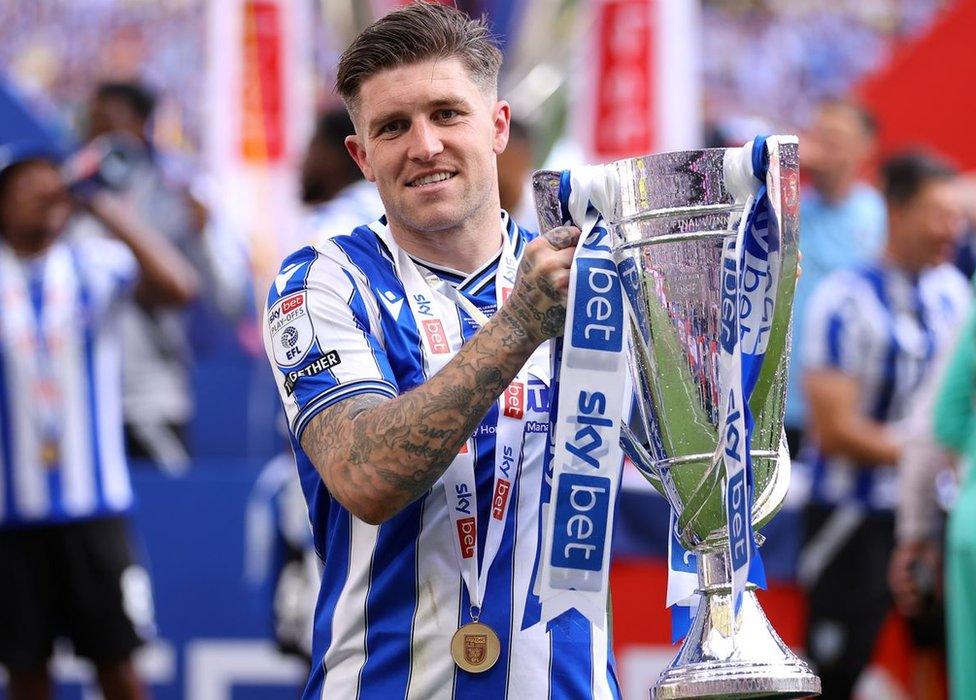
x=431 y=179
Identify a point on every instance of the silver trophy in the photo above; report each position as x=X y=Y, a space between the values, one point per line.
x=671 y=215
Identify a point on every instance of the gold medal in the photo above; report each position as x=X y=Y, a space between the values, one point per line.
x=50 y=454
x=475 y=647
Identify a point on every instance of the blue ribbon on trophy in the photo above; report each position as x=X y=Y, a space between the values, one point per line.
x=590 y=389
x=750 y=272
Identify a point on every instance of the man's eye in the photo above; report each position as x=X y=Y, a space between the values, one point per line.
x=447 y=114
x=390 y=128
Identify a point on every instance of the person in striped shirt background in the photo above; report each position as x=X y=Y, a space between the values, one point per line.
x=411 y=357
x=68 y=562
x=874 y=335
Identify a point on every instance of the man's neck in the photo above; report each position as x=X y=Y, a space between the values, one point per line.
x=901 y=260
x=26 y=248
x=464 y=248
x=836 y=192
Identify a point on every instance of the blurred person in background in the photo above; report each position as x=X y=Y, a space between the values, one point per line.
x=954 y=426
x=333 y=187
x=69 y=568
x=842 y=224
x=157 y=384
x=515 y=165
x=873 y=336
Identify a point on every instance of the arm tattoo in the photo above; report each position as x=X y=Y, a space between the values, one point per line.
x=377 y=455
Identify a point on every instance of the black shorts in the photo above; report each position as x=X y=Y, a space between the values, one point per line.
x=850 y=600
x=76 y=580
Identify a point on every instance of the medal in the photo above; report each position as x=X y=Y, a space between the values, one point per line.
x=49 y=454
x=475 y=647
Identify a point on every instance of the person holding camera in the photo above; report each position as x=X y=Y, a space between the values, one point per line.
x=69 y=565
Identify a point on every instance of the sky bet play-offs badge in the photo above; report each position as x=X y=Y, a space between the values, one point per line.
x=291 y=329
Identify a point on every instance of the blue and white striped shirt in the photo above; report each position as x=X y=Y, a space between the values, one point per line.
x=884 y=328
x=338 y=325
x=69 y=295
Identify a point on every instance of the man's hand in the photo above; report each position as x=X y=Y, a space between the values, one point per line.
x=378 y=455
x=538 y=301
x=913 y=572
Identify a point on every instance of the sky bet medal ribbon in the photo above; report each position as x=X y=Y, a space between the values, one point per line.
x=705 y=245
x=475 y=647
x=592 y=387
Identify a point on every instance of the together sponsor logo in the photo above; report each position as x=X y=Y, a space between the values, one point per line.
x=327 y=361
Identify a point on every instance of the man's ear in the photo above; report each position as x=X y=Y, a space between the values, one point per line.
x=358 y=152
x=501 y=120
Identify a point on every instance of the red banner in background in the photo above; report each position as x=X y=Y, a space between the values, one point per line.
x=623 y=120
x=262 y=84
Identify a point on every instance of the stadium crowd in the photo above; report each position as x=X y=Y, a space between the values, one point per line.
x=880 y=405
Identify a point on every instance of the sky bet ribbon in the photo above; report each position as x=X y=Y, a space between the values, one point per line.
x=750 y=274
x=592 y=386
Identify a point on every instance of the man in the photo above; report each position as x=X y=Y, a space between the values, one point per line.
x=396 y=426
x=68 y=566
x=873 y=336
x=333 y=188
x=841 y=219
x=157 y=388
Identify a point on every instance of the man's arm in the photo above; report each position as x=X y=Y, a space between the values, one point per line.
x=841 y=429
x=166 y=276
x=378 y=455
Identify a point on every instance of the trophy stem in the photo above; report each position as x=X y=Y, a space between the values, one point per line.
x=712 y=662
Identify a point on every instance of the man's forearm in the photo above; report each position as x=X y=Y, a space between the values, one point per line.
x=862 y=440
x=165 y=272
x=378 y=455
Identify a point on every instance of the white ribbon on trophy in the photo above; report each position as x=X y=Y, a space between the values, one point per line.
x=750 y=274
x=591 y=385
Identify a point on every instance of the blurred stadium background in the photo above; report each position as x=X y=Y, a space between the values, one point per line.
x=239 y=84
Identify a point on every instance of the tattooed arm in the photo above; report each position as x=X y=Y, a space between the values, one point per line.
x=377 y=455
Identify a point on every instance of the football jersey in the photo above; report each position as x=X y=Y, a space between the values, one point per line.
x=61 y=445
x=884 y=328
x=339 y=324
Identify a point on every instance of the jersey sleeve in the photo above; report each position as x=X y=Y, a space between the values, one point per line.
x=322 y=336
x=833 y=332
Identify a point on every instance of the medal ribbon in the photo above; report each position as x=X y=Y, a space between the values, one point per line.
x=434 y=305
x=34 y=337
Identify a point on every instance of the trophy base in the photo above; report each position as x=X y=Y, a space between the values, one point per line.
x=712 y=662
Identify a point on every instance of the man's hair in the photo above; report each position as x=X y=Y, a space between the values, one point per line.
x=906 y=173
x=864 y=116
x=137 y=96
x=421 y=31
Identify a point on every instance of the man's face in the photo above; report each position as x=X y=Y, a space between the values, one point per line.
x=427 y=135
x=35 y=205
x=114 y=115
x=836 y=146
x=930 y=222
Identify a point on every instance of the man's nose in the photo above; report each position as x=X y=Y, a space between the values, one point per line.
x=425 y=142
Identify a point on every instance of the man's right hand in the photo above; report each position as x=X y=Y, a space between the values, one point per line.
x=538 y=301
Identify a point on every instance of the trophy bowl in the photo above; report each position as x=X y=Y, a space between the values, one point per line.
x=671 y=215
